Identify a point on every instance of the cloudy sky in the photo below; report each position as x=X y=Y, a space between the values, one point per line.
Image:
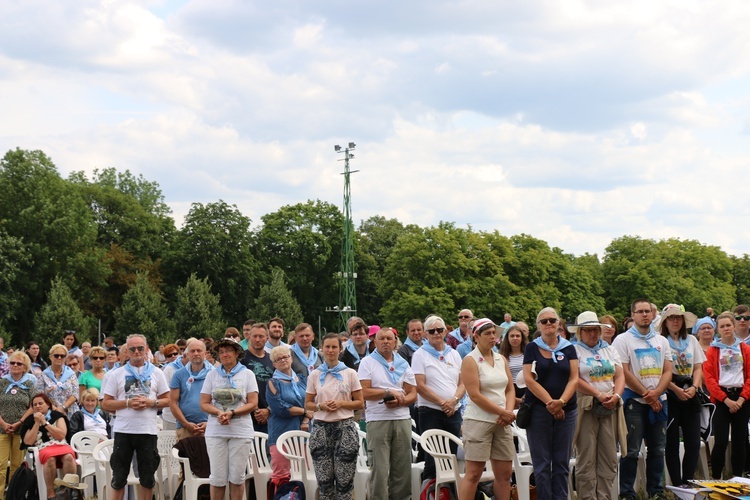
x=573 y=121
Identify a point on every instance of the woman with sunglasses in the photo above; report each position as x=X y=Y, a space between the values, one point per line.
x=285 y=394
x=437 y=368
x=16 y=391
x=59 y=382
x=92 y=379
x=551 y=392
x=174 y=361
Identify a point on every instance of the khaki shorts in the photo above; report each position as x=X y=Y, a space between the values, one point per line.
x=484 y=441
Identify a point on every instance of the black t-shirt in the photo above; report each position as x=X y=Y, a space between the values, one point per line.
x=28 y=423
x=263 y=370
x=552 y=376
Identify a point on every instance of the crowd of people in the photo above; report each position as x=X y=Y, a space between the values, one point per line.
x=591 y=391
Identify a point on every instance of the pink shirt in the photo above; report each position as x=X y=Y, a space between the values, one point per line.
x=333 y=389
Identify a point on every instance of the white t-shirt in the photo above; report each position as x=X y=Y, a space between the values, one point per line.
x=226 y=398
x=731 y=368
x=440 y=376
x=598 y=369
x=683 y=361
x=646 y=359
x=370 y=369
x=166 y=413
x=120 y=385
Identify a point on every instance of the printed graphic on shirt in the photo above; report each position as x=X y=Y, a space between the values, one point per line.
x=649 y=363
x=730 y=361
x=135 y=387
x=683 y=362
x=600 y=370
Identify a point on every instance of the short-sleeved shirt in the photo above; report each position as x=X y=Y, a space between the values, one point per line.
x=686 y=355
x=225 y=398
x=190 y=396
x=553 y=376
x=646 y=358
x=120 y=385
x=440 y=376
x=731 y=368
x=333 y=388
x=598 y=369
x=89 y=380
x=370 y=369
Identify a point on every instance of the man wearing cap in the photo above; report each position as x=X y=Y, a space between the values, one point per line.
x=135 y=391
x=647 y=364
x=463 y=332
x=414 y=335
x=185 y=392
x=388 y=387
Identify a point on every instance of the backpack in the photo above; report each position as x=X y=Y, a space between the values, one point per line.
x=428 y=491
x=23 y=485
x=291 y=490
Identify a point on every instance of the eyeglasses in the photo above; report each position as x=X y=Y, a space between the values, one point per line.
x=741 y=318
x=283 y=358
x=58 y=356
x=15 y=363
x=234 y=336
x=139 y=348
x=97 y=358
x=551 y=321
x=465 y=316
x=171 y=354
x=433 y=331
x=642 y=311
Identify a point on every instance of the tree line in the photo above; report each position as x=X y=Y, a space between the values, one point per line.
x=78 y=252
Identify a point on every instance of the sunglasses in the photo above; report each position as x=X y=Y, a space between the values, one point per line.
x=98 y=358
x=138 y=348
x=464 y=317
x=433 y=331
x=16 y=363
x=171 y=354
x=58 y=356
x=551 y=321
x=740 y=318
x=234 y=336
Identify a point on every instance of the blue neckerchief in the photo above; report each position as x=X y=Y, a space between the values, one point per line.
x=412 y=345
x=177 y=363
x=721 y=345
x=94 y=415
x=561 y=344
x=64 y=376
x=3 y=356
x=144 y=376
x=395 y=370
x=48 y=415
x=74 y=350
x=439 y=355
x=293 y=380
x=230 y=376
x=646 y=338
x=308 y=360
x=599 y=345
x=270 y=346
x=678 y=346
x=201 y=375
x=456 y=334
x=353 y=350
x=18 y=384
x=325 y=370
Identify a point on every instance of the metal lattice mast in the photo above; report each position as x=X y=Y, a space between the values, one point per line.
x=347 y=288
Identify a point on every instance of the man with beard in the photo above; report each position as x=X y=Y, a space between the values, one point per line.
x=259 y=362
x=414 y=334
x=275 y=334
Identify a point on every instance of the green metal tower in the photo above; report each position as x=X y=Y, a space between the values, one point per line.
x=347 y=306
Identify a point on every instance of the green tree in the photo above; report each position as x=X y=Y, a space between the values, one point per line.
x=143 y=311
x=275 y=300
x=215 y=243
x=13 y=259
x=740 y=279
x=60 y=312
x=57 y=230
x=304 y=240
x=198 y=312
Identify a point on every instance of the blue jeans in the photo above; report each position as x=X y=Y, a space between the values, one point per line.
x=550 y=443
x=655 y=434
x=430 y=418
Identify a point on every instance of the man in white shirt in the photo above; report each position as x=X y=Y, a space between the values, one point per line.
x=135 y=391
x=389 y=387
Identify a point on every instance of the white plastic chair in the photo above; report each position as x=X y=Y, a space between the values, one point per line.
x=522 y=466
x=191 y=481
x=417 y=468
x=168 y=473
x=437 y=443
x=83 y=443
x=362 y=476
x=293 y=445
x=102 y=454
x=41 y=484
x=261 y=464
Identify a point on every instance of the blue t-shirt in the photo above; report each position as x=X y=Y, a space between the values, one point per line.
x=552 y=376
x=190 y=396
